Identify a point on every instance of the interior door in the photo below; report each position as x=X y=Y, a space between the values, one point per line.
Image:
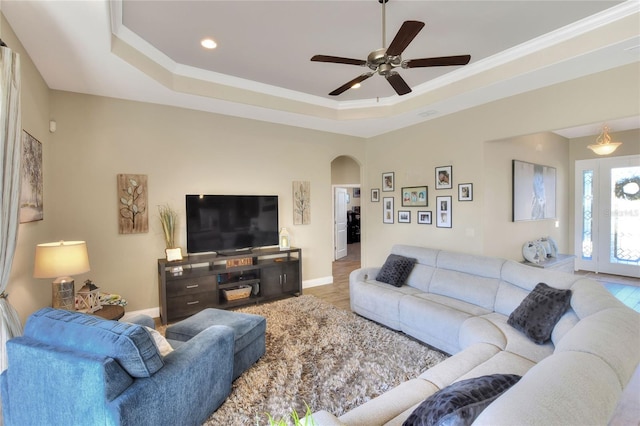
x=608 y=215
x=340 y=218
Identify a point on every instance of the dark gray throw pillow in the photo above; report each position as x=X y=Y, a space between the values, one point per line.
x=539 y=312
x=396 y=270
x=462 y=402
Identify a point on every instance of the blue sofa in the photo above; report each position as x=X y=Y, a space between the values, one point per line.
x=76 y=369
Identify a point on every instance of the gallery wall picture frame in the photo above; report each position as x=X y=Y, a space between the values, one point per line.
x=31 y=190
x=356 y=192
x=424 y=217
x=465 y=192
x=404 y=216
x=444 y=211
x=534 y=191
x=415 y=196
x=387 y=210
x=375 y=195
x=444 y=177
x=388 y=182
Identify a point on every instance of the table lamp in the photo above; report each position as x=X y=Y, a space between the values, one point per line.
x=59 y=260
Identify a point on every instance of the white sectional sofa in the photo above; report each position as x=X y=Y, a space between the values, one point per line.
x=460 y=304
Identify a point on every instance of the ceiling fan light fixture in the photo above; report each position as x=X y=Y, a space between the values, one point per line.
x=603 y=145
x=356 y=86
x=208 y=43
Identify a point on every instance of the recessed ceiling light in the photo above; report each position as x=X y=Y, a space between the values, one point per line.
x=208 y=43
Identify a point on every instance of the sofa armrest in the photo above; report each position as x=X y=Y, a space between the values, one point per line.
x=364 y=274
x=195 y=381
x=325 y=418
x=143 y=320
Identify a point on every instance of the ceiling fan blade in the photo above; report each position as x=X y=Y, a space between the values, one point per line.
x=399 y=85
x=437 y=62
x=338 y=60
x=350 y=84
x=407 y=32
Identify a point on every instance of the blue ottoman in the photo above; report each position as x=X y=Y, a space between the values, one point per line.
x=249 y=332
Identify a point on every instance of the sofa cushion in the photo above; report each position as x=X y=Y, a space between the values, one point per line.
x=129 y=344
x=164 y=347
x=539 y=312
x=395 y=270
x=461 y=402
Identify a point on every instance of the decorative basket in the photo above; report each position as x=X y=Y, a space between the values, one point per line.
x=241 y=292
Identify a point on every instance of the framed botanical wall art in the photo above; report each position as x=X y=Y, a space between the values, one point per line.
x=388 y=182
x=387 y=210
x=424 y=217
x=133 y=215
x=534 y=191
x=415 y=196
x=375 y=195
x=404 y=216
x=31 y=208
x=302 y=202
x=444 y=178
x=443 y=212
x=465 y=192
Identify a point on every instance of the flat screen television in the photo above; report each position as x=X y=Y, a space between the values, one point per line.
x=230 y=223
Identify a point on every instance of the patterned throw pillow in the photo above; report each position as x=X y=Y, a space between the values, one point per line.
x=462 y=402
x=396 y=270
x=539 y=312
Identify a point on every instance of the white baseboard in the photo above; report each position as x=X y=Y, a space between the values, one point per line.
x=152 y=312
x=155 y=312
x=316 y=282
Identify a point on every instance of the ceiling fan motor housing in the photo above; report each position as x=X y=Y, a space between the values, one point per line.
x=377 y=57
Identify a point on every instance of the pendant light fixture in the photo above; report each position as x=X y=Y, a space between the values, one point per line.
x=603 y=145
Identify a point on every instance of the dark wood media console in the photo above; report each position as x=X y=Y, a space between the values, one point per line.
x=197 y=282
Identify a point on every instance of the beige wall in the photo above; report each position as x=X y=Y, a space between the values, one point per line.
x=465 y=140
x=27 y=294
x=183 y=151
x=502 y=236
x=345 y=170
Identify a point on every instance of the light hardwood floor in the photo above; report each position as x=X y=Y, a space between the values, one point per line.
x=338 y=293
x=625 y=289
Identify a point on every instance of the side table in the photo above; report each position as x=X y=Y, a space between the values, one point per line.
x=563 y=263
x=110 y=312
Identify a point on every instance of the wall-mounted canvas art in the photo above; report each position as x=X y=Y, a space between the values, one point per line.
x=31 y=208
x=534 y=191
x=301 y=202
x=133 y=212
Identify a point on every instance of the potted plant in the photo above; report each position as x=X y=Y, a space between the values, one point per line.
x=169 y=221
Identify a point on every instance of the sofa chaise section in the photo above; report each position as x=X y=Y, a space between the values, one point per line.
x=461 y=304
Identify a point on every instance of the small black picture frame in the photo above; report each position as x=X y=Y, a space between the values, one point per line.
x=404 y=216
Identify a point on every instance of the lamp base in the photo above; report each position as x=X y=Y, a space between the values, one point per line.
x=63 y=294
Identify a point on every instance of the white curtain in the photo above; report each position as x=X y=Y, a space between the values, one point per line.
x=10 y=155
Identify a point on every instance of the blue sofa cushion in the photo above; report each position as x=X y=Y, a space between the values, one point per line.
x=396 y=270
x=129 y=344
x=462 y=402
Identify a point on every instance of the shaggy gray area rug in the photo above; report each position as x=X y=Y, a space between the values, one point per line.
x=323 y=356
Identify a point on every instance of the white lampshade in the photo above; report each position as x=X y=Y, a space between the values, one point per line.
x=61 y=259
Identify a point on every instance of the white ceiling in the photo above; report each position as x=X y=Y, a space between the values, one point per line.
x=149 y=51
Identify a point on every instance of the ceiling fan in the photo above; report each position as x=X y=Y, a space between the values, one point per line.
x=384 y=60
